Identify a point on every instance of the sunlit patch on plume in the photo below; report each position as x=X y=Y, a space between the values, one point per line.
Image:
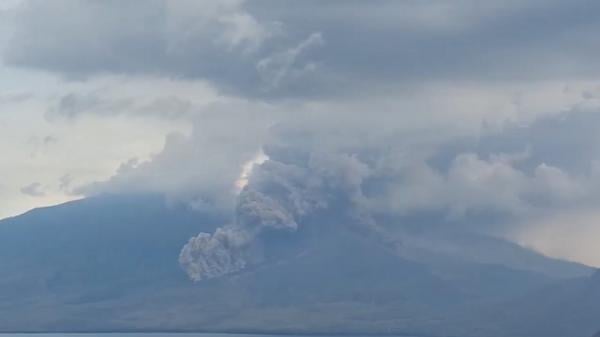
x=242 y=180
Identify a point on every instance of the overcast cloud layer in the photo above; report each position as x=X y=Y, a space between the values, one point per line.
x=482 y=115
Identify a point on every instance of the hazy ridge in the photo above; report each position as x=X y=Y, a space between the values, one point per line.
x=110 y=264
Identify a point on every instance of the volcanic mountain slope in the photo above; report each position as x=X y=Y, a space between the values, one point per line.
x=570 y=308
x=110 y=263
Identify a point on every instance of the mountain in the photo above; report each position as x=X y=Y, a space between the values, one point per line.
x=111 y=263
x=570 y=308
x=59 y=260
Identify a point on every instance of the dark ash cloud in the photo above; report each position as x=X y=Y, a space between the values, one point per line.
x=216 y=40
x=269 y=49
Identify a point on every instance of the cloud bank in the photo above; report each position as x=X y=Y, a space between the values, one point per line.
x=479 y=186
x=399 y=115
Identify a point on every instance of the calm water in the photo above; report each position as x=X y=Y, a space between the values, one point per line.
x=161 y=334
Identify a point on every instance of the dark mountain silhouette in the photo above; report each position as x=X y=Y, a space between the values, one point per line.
x=111 y=264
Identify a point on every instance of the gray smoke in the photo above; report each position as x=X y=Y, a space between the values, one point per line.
x=231 y=248
x=257 y=211
x=278 y=196
x=207 y=256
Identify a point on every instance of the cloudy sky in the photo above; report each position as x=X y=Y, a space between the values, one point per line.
x=479 y=114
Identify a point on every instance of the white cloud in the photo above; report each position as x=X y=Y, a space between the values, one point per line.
x=9 y=4
x=91 y=148
x=572 y=235
x=178 y=97
x=33 y=190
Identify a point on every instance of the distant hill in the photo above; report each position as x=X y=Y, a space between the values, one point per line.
x=110 y=263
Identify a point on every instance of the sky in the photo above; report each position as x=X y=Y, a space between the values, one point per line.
x=480 y=115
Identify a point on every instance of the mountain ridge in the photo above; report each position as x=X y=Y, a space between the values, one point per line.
x=110 y=263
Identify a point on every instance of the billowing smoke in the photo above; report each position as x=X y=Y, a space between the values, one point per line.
x=375 y=190
x=231 y=248
x=207 y=256
x=278 y=196
x=257 y=211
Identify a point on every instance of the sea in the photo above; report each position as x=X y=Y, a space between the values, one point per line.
x=176 y=334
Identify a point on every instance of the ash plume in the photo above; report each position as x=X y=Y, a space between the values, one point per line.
x=207 y=256
x=231 y=248
x=278 y=196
